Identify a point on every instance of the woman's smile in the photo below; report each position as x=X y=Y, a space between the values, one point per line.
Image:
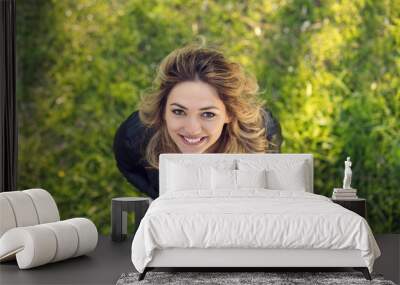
x=193 y=141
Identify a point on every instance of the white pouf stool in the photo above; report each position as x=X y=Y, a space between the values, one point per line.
x=31 y=231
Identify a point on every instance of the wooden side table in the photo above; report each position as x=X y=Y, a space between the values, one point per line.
x=119 y=213
x=358 y=205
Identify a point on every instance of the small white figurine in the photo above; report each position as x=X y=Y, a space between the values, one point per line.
x=347 y=174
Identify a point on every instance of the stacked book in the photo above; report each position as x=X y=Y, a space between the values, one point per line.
x=343 y=194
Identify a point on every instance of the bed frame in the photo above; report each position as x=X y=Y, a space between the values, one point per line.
x=250 y=257
x=262 y=258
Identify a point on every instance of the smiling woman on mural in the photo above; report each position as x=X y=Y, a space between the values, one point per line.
x=201 y=103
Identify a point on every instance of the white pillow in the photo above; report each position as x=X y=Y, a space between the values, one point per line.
x=293 y=178
x=223 y=179
x=280 y=174
x=227 y=179
x=182 y=177
x=251 y=178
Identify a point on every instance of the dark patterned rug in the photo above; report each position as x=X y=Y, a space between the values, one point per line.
x=230 y=278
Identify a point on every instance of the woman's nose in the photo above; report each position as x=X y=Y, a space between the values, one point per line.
x=192 y=126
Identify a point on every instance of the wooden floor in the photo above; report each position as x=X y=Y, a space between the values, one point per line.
x=110 y=260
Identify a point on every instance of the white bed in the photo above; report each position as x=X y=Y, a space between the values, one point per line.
x=247 y=210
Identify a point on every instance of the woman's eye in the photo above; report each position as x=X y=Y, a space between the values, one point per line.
x=208 y=115
x=178 y=112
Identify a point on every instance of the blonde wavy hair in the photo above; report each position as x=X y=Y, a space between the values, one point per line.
x=238 y=90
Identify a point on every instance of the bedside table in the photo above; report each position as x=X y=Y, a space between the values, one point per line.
x=358 y=206
x=119 y=212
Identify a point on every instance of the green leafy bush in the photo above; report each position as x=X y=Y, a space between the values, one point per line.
x=329 y=71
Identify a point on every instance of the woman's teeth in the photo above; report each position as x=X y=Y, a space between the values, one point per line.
x=193 y=141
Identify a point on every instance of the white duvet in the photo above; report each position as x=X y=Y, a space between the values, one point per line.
x=251 y=218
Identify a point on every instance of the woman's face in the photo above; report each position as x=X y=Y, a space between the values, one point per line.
x=195 y=116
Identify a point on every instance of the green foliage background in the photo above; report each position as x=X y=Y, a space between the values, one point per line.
x=330 y=71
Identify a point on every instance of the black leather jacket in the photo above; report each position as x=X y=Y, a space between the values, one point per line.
x=130 y=145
